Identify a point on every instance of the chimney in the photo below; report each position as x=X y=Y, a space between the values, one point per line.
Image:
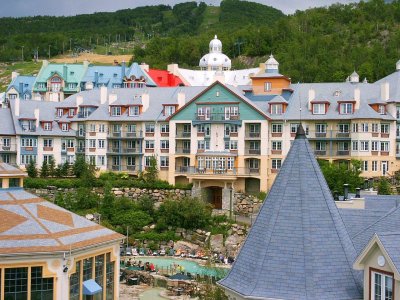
x=385 y=91
x=181 y=99
x=103 y=94
x=45 y=63
x=14 y=75
x=357 y=97
x=96 y=77
x=123 y=67
x=173 y=69
x=65 y=72
x=21 y=88
x=112 y=98
x=16 y=101
x=144 y=67
x=346 y=191
x=36 y=113
x=85 y=63
x=79 y=100
x=311 y=97
x=145 y=101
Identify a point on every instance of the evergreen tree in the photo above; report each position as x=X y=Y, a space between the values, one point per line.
x=31 y=169
x=108 y=202
x=64 y=170
x=44 y=170
x=151 y=174
x=52 y=166
x=384 y=187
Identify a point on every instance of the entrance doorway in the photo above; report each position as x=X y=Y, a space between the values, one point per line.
x=214 y=196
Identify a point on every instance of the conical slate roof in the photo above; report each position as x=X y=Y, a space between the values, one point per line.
x=298 y=247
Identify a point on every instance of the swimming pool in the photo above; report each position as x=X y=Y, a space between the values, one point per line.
x=167 y=264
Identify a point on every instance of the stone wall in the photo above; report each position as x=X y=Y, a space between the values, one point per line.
x=133 y=193
x=245 y=204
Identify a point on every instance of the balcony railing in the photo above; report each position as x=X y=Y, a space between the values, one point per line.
x=248 y=151
x=343 y=152
x=8 y=148
x=183 y=134
x=126 y=134
x=182 y=150
x=217 y=171
x=253 y=135
x=122 y=168
x=217 y=117
x=320 y=152
x=124 y=150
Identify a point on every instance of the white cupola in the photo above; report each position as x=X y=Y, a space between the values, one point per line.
x=215 y=60
x=271 y=65
x=354 y=77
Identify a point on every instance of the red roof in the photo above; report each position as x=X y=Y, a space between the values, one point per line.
x=164 y=78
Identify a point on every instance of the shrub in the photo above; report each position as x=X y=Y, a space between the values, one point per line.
x=384 y=186
x=136 y=220
x=31 y=169
x=44 y=170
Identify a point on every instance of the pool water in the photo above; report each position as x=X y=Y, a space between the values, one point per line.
x=187 y=266
x=152 y=294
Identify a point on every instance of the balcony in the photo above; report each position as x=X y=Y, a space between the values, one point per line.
x=343 y=152
x=8 y=148
x=126 y=135
x=123 y=168
x=80 y=149
x=216 y=117
x=252 y=151
x=183 y=134
x=124 y=150
x=253 y=135
x=28 y=128
x=217 y=171
x=182 y=150
x=320 y=152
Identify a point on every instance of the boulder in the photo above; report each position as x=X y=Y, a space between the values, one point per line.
x=217 y=242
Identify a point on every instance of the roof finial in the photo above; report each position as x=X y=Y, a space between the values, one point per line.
x=300 y=134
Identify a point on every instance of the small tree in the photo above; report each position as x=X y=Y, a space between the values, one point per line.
x=52 y=166
x=384 y=187
x=44 y=170
x=80 y=166
x=64 y=170
x=107 y=204
x=151 y=174
x=31 y=169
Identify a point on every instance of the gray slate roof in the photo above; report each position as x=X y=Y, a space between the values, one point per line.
x=298 y=247
x=391 y=242
x=6 y=124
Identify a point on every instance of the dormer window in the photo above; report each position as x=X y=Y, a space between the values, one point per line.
x=267 y=86
x=41 y=86
x=60 y=112
x=133 y=111
x=64 y=127
x=276 y=109
x=71 y=112
x=116 y=111
x=346 y=108
x=319 y=109
x=382 y=109
x=169 y=110
x=71 y=85
x=47 y=126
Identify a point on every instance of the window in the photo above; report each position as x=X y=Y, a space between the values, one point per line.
x=204 y=128
x=320 y=146
x=130 y=161
x=27 y=158
x=385 y=146
x=231 y=128
x=164 y=161
x=101 y=144
x=116 y=128
x=48 y=143
x=16 y=283
x=64 y=127
x=102 y=128
x=60 y=112
x=203 y=145
x=364 y=165
x=70 y=143
x=87 y=268
x=344 y=128
x=267 y=86
x=231 y=145
x=81 y=130
x=47 y=158
x=375 y=127
x=320 y=128
x=354 y=145
x=385 y=128
x=343 y=146
x=47 y=126
x=374 y=145
x=346 y=108
x=164 y=144
x=276 y=145
x=92 y=159
x=276 y=164
x=364 y=127
x=149 y=128
x=71 y=112
x=149 y=145
x=276 y=109
x=101 y=160
x=116 y=111
x=254 y=164
x=169 y=110
x=28 y=142
x=84 y=112
x=374 y=165
x=382 y=286
x=133 y=111
x=131 y=128
x=164 y=128
x=92 y=127
x=381 y=109
x=92 y=143
x=293 y=127
x=147 y=160
x=318 y=109
x=355 y=127
x=204 y=112
x=277 y=128
x=364 y=145
x=231 y=111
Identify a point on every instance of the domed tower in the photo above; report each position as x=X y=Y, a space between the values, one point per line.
x=215 y=60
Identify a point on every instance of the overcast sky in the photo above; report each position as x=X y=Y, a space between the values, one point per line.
x=18 y=8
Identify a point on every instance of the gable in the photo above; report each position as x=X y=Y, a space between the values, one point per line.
x=217 y=97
